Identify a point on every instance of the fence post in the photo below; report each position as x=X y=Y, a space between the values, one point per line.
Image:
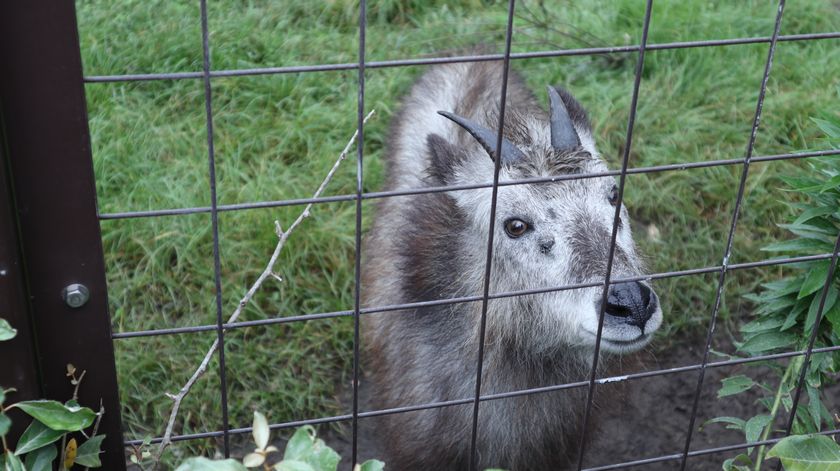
x=47 y=145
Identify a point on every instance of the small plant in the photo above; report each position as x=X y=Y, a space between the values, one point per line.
x=304 y=452
x=785 y=316
x=51 y=421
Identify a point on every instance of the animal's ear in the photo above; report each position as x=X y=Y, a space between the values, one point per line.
x=443 y=159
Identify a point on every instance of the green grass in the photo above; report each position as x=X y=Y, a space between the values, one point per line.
x=276 y=136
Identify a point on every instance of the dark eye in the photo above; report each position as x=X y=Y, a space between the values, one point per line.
x=613 y=198
x=515 y=228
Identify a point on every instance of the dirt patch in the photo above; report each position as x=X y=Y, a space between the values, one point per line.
x=649 y=417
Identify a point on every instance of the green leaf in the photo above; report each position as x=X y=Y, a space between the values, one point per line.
x=293 y=465
x=322 y=457
x=300 y=443
x=815 y=279
x=812 y=213
x=734 y=422
x=35 y=436
x=767 y=341
x=794 y=313
x=376 y=465
x=830 y=299
x=57 y=416
x=5 y=424
x=810 y=246
x=811 y=231
x=802 y=183
x=204 y=464
x=260 y=430
x=754 y=428
x=758 y=325
x=741 y=462
x=88 y=452
x=734 y=385
x=12 y=463
x=814 y=404
x=41 y=459
x=833 y=316
x=6 y=330
x=807 y=453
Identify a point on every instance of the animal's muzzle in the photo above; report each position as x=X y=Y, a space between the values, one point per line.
x=631 y=303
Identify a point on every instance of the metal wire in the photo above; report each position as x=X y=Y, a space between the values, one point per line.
x=442 y=189
x=214 y=216
x=591 y=51
x=631 y=120
x=488 y=264
x=207 y=75
x=360 y=145
x=733 y=226
x=498 y=396
x=466 y=299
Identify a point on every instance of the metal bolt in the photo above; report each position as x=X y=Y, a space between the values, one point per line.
x=75 y=295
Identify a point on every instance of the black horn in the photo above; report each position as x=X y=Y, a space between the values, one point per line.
x=487 y=138
x=563 y=134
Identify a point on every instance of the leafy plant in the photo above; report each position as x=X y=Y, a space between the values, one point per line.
x=304 y=452
x=51 y=421
x=807 y=453
x=786 y=313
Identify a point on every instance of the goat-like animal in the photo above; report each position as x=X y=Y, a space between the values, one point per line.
x=434 y=246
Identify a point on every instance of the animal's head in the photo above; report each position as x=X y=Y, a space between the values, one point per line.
x=549 y=234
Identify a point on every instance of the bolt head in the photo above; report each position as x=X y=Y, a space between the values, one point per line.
x=75 y=295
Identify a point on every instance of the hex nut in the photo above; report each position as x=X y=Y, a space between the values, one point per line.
x=75 y=295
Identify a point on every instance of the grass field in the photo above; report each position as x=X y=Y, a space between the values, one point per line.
x=277 y=135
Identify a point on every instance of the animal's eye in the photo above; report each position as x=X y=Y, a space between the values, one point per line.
x=515 y=228
x=613 y=198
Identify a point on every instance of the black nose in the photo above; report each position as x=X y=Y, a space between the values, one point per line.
x=633 y=302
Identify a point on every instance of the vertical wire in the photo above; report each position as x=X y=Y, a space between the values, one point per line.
x=473 y=457
x=631 y=121
x=360 y=119
x=214 y=216
x=733 y=226
x=814 y=331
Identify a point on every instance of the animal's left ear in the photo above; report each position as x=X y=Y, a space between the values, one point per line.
x=443 y=159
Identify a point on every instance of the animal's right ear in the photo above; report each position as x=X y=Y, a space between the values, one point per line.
x=443 y=159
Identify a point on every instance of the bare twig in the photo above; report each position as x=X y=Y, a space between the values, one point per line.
x=283 y=236
x=71 y=373
x=96 y=424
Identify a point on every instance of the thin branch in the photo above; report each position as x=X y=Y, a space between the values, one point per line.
x=283 y=236
x=96 y=424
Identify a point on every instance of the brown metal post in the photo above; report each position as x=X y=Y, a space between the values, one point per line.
x=47 y=144
x=18 y=363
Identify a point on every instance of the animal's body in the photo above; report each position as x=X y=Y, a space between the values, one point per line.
x=434 y=246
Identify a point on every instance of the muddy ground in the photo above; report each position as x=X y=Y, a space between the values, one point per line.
x=646 y=418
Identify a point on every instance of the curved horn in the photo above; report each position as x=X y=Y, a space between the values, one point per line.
x=487 y=138
x=563 y=134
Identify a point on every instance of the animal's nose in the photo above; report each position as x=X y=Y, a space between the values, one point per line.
x=633 y=302
x=546 y=245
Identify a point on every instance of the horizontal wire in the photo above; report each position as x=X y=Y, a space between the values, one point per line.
x=442 y=189
x=467 y=299
x=498 y=396
x=705 y=451
x=591 y=51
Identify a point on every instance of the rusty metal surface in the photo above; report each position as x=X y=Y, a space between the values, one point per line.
x=42 y=104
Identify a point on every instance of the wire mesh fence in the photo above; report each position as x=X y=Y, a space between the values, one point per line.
x=720 y=270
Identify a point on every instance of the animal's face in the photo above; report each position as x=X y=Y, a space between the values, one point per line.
x=555 y=234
